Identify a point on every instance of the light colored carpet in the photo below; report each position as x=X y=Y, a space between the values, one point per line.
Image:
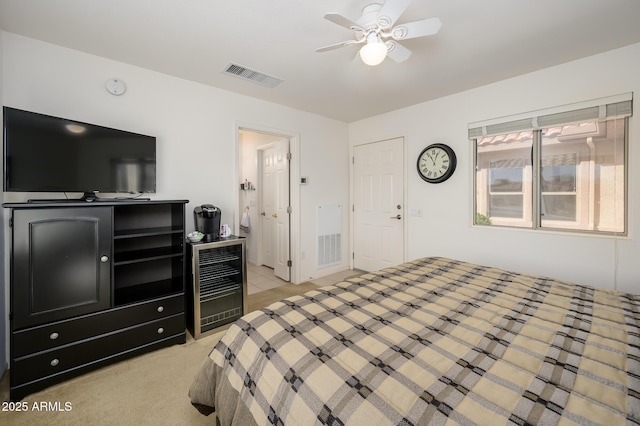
x=265 y=298
x=151 y=389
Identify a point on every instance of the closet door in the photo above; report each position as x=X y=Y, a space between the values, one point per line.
x=378 y=208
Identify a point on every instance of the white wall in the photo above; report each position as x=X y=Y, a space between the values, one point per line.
x=195 y=126
x=445 y=228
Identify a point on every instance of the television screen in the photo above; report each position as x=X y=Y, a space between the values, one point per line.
x=50 y=154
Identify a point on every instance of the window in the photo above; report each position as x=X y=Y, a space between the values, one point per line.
x=506 y=188
x=568 y=175
x=504 y=179
x=558 y=176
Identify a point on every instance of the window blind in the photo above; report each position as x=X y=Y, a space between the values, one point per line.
x=596 y=109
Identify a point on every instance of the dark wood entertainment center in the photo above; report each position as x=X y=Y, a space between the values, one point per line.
x=92 y=284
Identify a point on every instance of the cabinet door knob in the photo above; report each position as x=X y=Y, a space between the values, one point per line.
x=104 y=259
x=54 y=362
x=160 y=308
x=160 y=330
x=53 y=336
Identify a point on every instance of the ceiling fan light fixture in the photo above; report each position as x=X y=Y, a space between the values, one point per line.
x=374 y=52
x=375 y=31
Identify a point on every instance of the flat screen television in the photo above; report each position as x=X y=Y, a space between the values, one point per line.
x=51 y=154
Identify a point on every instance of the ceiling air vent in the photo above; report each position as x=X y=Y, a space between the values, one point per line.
x=251 y=75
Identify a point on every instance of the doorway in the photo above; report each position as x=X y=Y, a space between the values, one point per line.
x=378 y=204
x=266 y=169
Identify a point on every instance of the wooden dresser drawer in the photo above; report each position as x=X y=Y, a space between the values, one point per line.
x=56 y=361
x=59 y=333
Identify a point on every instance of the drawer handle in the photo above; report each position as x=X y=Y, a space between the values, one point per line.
x=55 y=362
x=160 y=308
x=54 y=336
x=160 y=330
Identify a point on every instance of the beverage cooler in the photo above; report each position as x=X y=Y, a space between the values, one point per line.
x=219 y=292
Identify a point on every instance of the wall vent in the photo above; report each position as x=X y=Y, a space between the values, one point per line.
x=251 y=75
x=329 y=229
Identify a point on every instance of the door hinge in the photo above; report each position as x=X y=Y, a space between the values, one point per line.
x=353 y=160
x=353 y=255
x=289 y=209
x=11 y=222
x=289 y=156
x=289 y=263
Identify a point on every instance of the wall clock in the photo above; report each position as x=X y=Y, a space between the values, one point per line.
x=436 y=163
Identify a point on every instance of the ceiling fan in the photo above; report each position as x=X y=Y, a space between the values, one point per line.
x=375 y=30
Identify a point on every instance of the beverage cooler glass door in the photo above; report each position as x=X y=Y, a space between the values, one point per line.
x=219 y=285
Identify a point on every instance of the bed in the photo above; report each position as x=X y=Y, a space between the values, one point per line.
x=431 y=341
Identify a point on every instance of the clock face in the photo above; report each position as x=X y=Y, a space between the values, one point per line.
x=436 y=163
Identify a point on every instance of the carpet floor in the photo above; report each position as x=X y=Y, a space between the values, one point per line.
x=151 y=389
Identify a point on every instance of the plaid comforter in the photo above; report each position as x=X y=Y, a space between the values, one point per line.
x=431 y=341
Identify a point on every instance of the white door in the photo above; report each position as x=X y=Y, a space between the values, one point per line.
x=378 y=210
x=282 y=210
x=267 y=204
x=275 y=208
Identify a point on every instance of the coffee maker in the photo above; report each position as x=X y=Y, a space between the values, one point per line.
x=206 y=219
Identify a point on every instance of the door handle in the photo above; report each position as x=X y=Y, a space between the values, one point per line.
x=275 y=215
x=104 y=259
x=396 y=217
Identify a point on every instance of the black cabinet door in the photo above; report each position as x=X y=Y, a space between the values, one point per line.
x=61 y=263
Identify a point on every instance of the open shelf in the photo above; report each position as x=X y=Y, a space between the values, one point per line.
x=146 y=255
x=155 y=276
x=148 y=251
x=147 y=232
x=147 y=291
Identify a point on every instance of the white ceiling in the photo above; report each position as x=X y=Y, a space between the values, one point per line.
x=481 y=41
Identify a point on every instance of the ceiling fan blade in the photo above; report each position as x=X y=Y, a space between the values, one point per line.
x=397 y=52
x=421 y=28
x=390 y=12
x=339 y=45
x=336 y=18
